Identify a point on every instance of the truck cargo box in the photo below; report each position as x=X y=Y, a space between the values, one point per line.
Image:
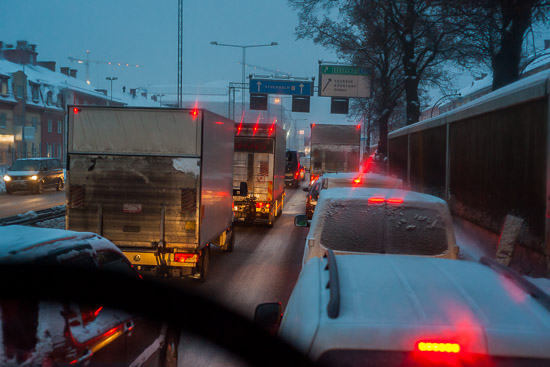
x=155 y=181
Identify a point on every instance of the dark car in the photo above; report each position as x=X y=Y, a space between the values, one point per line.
x=292 y=169
x=34 y=174
x=72 y=333
x=313 y=196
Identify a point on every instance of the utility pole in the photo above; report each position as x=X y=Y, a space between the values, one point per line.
x=180 y=53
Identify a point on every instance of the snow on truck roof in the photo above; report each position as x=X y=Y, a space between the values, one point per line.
x=27 y=243
x=390 y=302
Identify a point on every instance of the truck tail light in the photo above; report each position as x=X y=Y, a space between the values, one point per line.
x=358 y=180
x=76 y=111
x=181 y=257
x=438 y=347
x=262 y=205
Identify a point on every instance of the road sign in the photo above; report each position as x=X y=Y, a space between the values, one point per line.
x=345 y=81
x=291 y=87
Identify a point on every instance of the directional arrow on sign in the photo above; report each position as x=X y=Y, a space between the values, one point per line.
x=259 y=84
x=301 y=88
x=326 y=85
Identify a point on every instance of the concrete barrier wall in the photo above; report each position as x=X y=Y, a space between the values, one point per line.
x=488 y=159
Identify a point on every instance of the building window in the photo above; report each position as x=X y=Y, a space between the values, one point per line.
x=50 y=126
x=59 y=127
x=34 y=122
x=49 y=150
x=34 y=91
x=3 y=86
x=49 y=98
x=59 y=151
x=3 y=120
x=53 y=150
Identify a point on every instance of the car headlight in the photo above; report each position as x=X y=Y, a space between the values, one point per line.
x=34 y=178
x=7 y=178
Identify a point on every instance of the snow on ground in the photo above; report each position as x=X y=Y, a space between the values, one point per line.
x=58 y=223
x=473 y=245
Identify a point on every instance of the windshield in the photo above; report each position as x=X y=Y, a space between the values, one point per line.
x=357 y=227
x=25 y=165
x=138 y=120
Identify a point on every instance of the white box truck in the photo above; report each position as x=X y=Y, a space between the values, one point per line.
x=157 y=182
x=334 y=148
x=260 y=162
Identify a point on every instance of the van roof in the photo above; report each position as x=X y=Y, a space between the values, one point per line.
x=391 y=302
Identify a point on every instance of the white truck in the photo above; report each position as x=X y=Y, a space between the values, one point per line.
x=260 y=162
x=334 y=148
x=157 y=182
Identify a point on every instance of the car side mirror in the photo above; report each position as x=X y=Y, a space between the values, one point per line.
x=305 y=189
x=301 y=220
x=268 y=316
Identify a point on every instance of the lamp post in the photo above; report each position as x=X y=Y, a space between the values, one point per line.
x=244 y=47
x=111 y=78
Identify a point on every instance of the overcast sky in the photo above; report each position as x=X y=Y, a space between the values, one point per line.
x=144 y=32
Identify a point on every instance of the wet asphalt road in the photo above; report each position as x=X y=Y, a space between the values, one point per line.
x=263 y=267
x=22 y=202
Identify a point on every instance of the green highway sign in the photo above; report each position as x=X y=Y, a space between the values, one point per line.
x=345 y=70
x=345 y=81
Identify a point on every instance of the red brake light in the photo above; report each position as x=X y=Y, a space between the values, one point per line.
x=297 y=174
x=239 y=128
x=358 y=180
x=395 y=201
x=438 y=347
x=267 y=206
x=185 y=258
x=376 y=200
x=76 y=111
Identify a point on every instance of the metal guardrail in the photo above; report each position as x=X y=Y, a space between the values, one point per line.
x=34 y=217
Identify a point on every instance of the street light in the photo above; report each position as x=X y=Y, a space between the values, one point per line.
x=244 y=47
x=111 y=78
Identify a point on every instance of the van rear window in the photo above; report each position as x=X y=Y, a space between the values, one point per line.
x=358 y=227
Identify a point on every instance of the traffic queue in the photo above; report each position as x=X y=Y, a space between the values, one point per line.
x=383 y=283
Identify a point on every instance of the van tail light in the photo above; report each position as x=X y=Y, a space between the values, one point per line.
x=376 y=200
x=181 y=257
x=395 y=201
x=438 y=347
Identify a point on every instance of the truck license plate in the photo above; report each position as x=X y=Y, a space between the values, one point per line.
x=132 y=208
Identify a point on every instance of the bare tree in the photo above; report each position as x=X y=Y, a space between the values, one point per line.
x=496 y=31
x=363 y=36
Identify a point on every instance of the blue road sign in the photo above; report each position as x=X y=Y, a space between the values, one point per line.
x=292 y=87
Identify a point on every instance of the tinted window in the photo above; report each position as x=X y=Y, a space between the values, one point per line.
x=359 y=227
x=26 y=165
